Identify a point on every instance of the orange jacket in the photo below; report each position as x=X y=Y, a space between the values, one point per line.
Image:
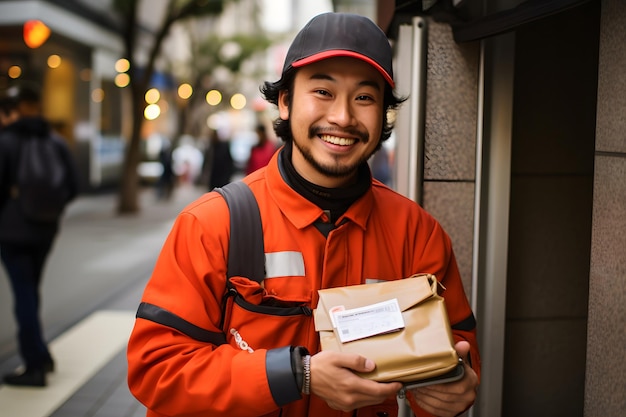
x=174 y=367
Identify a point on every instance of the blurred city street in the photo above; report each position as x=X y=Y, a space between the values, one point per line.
x=92 y=286
x=509 y=132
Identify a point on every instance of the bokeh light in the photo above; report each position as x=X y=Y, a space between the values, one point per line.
x=122 y=80
x=15 y=71
x=122 y=65
x=185 y=91
x=36 y=33
x=238 y=101
x=152 y=111
x=97 y=95
x=214 y=97
x=54 y=61
x=152 y=96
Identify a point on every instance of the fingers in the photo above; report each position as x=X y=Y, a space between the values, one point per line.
x=449 y=399
x=462 y=349
x=334 y=380
x=359 y=364
x=442 y=404
x=356 y=363
x=435 y=406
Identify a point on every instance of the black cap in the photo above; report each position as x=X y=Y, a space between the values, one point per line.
x=331 y=35
x=26 y=91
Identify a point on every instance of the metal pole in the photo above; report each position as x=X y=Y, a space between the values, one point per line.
x=416 y=125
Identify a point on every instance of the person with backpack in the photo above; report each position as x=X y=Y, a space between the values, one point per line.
x=38 y=178
x=209 y=344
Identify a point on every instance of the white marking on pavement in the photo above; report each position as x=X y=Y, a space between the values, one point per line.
x=78 y=353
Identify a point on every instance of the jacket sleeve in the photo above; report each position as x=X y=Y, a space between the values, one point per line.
x=437 y=257
x=173 y=371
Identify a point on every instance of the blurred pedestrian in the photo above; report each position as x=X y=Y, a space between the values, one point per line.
x=24 y=242
x=167 y=179
x=262 y=152
x=187 y=160
x=219 y=160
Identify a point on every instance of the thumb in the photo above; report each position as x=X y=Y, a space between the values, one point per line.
x=363 y=365
x=462 y=349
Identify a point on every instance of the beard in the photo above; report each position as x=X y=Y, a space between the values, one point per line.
x=337 y=169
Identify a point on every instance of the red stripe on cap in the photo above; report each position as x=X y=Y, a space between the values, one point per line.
x=338 y=52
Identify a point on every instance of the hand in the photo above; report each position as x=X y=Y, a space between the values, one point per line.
x=450 y=399
x=333 y=379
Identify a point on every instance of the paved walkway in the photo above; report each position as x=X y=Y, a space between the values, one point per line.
x=90 y=380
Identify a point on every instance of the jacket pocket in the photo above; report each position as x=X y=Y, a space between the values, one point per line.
x=255 y=319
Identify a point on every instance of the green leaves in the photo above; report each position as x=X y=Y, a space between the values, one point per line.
x=233 y=51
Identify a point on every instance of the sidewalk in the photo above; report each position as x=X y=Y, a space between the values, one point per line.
x=110 y=256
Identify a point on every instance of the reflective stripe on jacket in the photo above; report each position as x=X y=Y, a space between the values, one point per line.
x=183 y=370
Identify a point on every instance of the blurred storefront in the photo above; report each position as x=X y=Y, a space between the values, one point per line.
x=75 y=67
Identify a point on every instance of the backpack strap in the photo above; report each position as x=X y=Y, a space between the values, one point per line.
x=246 y=258
x=14 y=189
x=246 y=252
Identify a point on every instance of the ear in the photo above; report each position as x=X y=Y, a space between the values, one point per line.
x=283 y=104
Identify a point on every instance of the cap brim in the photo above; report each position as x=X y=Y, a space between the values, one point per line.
x=339 y=52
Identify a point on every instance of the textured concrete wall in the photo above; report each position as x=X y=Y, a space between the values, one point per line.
x=606 y=333
x=449 y=165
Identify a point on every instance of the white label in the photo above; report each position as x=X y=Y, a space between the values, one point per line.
x=362 y=322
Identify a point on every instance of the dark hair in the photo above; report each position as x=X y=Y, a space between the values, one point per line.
x=7 y=104
x=271 y=90
x=26 y=91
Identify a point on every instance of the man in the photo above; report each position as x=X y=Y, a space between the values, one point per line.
x=326 y=223
x=24 y=243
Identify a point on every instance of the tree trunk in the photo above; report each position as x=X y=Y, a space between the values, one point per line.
x=128 y=198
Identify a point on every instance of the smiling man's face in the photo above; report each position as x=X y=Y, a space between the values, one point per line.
x=336 y=117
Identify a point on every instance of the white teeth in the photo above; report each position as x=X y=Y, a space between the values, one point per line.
x=337 y=140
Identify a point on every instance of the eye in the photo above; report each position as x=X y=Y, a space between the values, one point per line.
x=322 y=92
x=368 y=98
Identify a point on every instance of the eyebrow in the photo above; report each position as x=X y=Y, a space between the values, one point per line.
x=364 y=83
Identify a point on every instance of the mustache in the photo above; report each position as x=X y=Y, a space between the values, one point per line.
x=318 y=130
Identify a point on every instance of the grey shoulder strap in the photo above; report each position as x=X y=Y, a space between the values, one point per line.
x=246 y=253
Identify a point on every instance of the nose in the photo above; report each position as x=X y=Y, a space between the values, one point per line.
x=341 y=113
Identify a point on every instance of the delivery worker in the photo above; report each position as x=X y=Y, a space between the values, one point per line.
x=326 y=223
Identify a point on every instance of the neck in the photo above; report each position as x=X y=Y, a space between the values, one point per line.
x=334 y=199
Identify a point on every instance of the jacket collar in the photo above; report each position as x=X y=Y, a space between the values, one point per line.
x=303 y=213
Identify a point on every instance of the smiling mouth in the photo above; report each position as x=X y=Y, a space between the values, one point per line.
x=335 y=140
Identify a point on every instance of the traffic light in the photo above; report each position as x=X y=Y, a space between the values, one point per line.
x=35 y=33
